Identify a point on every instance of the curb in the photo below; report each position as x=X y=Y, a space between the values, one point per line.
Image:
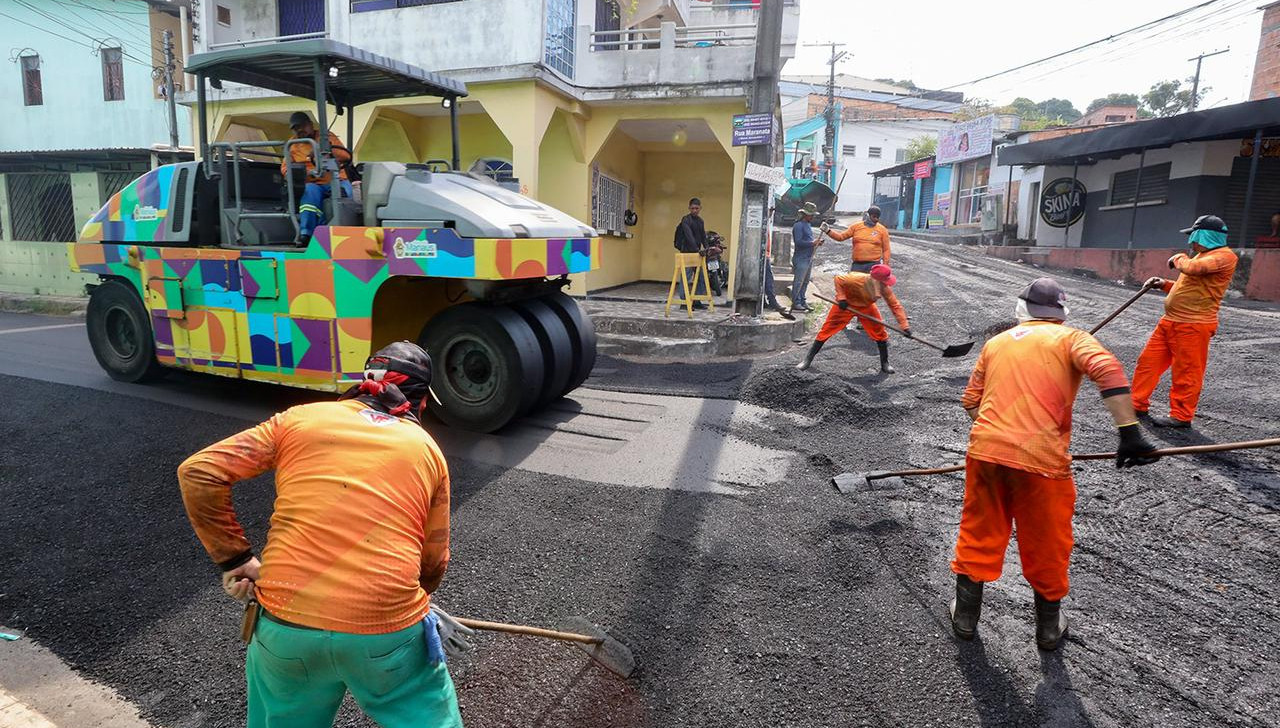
x=43 y=305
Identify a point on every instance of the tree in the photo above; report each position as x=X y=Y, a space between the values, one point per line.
x=907 y=84
x=1169 y=98
x=1112 y=100
x=921 y=147
x=1059 y=109
x=1041 y=114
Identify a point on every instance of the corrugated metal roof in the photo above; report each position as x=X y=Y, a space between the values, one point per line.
x=789 y=88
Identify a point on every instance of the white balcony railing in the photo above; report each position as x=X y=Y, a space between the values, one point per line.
x=669 y=55
x=698 y=36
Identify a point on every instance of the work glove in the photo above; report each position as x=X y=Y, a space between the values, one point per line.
x=907 y=333
x=1134 y=448
x=451 y=633
x=1154 y=282
x=824 y=227
x=844 y=305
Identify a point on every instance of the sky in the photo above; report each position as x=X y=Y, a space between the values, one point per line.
x=940 y=44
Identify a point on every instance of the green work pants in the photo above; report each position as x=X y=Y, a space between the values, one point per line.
x=297 y=678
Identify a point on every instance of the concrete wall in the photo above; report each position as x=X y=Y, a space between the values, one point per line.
x=36 y=267
x=1257 y=276
x=621 y=159
x=74 y=114
x=671 y=178
x=452 y=36
x=1197 y=185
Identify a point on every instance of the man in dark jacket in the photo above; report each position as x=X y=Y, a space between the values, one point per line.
x=691 y=237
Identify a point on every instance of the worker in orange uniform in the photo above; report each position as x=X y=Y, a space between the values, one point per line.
x=870 y=240
x=1018 y=469
x=317 y=190
x=1181 y=339
x=359 y=539
x=857 y=293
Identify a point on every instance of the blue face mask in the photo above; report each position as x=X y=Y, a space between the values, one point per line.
x=1209 y=239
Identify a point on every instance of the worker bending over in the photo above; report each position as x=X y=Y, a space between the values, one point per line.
x=1181 y=339
x=1018 y=469
x=317 y=190
x=857 y=293
x=359 y=540
x=870 y=240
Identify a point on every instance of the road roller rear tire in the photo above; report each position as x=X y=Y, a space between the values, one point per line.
x=557 y=349
x=582 y=337
x=120 y=333
x=487 y=366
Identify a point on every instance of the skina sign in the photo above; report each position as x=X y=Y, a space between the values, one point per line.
x=1062 y=202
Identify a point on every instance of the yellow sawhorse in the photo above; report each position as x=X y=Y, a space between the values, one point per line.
x=685 y=261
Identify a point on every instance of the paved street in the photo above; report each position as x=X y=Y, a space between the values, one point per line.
x=701 y=530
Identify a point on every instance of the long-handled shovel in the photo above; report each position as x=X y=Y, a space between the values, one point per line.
x=610 y=653
x=849 y=483
x=1145 y=287
x=948 y=352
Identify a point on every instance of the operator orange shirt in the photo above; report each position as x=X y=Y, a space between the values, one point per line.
x=857 y=289
x=1197 y=294
x=360 y=531
x=301 y=153
x=1024 y=386
x=870 y=242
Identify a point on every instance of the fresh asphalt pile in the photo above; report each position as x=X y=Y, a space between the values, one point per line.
x=787 y=605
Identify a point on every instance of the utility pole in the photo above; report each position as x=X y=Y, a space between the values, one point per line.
x=1195 y=84
x=829 y=150
x=172 y=103
x=749 y=283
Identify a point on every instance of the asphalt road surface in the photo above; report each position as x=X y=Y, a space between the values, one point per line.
x=752 y=593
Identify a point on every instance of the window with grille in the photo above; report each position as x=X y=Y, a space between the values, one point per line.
x=900 y=156
x=609 y=203
x=561 y=18
x=1155 y=185
x=850 y=150
x=112 y=74
x=41 y=207
x=32 y=91
x=873 y=152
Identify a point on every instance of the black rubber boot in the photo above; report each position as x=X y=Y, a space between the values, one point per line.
x=883 y=346
x=1051 y=623
x=1174 y=422
x=966 y=607
x=808 y=358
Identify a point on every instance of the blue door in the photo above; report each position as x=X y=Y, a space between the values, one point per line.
x=301 y=16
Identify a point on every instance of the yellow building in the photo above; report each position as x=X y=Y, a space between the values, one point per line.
x=631 y=110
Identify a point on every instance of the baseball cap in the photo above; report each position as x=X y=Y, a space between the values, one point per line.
x=1045 y=299
x=884 y=274
x=1206 y=222
x=298 y=118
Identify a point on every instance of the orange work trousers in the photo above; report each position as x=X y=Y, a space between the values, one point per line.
x=1185 y=348
x=838 y=318
x=998 y=496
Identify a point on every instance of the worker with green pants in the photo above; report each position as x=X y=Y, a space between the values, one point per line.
x=359 y=539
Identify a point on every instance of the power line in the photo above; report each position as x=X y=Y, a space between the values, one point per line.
x=58 y=21
x=1091 y=44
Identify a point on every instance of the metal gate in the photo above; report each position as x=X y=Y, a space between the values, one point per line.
x=1266 y=199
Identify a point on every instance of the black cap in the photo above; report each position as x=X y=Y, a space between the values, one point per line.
x=1045 y=299
x=1206 y=222
x=298 y=118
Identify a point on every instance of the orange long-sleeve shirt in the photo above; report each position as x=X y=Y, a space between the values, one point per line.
x=858 y=290
x=360 y=531
x=870 y=242
x=301 y=153
x=1197 y=294
x=1024 y=386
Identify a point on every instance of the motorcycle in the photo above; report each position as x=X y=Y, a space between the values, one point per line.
x=717 y=269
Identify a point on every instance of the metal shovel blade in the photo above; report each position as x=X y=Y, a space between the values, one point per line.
x=851 y=483
x=608 y=652
x=956 y=350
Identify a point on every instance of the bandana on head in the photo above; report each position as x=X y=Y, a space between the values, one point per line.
x=397 y=380
x=1208 y=238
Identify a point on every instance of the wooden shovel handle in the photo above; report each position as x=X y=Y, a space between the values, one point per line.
x=531 y=631
x=869 y=317
x=1123 y=306
x=1190 y=449
x=1187 y=450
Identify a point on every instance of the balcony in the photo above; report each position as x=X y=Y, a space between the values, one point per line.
x=652 y=60
x=230 y=24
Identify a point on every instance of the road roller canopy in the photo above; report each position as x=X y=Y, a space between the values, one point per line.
x=351 y=76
